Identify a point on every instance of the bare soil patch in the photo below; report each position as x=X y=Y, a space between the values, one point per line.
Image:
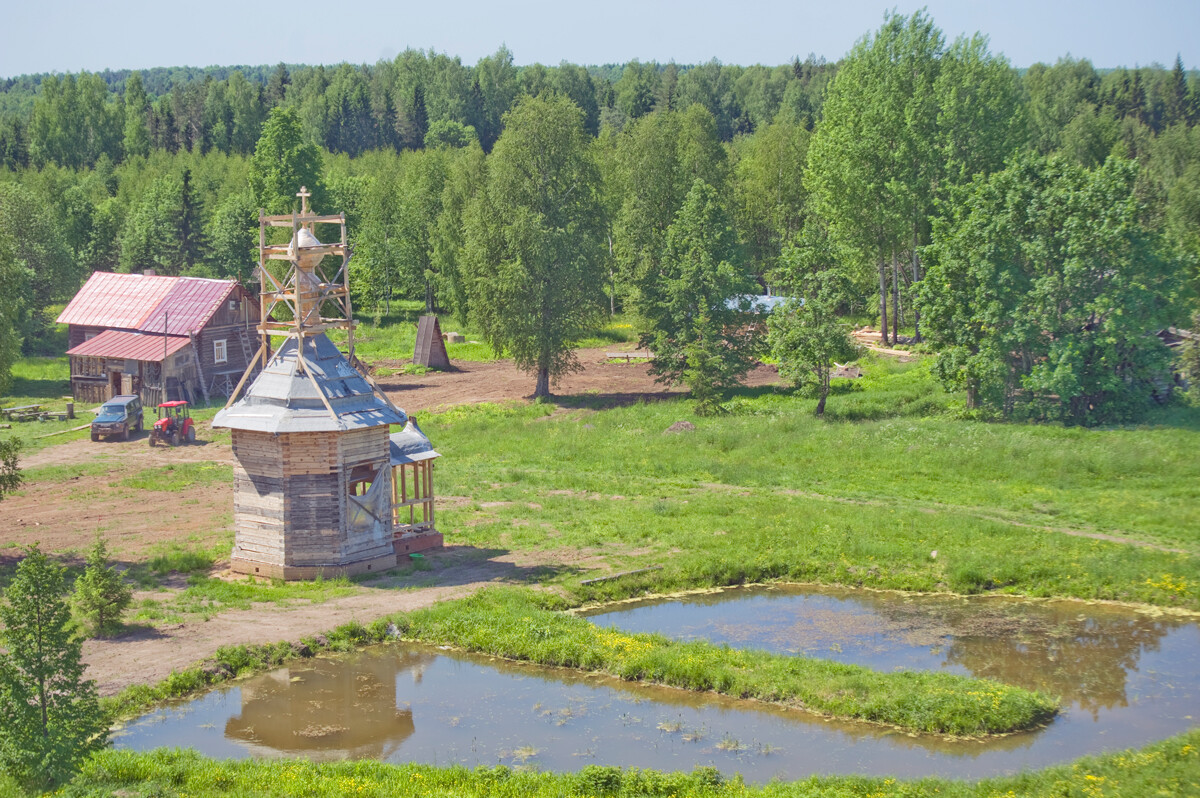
x=600 y=382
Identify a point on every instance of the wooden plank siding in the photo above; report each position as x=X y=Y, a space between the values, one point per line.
x=290 y=500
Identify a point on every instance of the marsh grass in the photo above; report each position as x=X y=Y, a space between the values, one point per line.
x=1165 y=768
x=518 y=624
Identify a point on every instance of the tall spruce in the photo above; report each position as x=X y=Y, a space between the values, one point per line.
x=699 y=332
x=50 y=718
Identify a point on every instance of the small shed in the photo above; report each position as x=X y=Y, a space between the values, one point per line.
x=430 y=348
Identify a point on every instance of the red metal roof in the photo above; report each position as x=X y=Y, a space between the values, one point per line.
x=189 y=305
x=130 y=346
x=138 y=302
x=116 y=300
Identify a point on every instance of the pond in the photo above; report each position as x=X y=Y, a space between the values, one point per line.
x=1126 y=678
x=412 y=703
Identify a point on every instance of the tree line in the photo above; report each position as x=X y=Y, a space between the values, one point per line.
x=924 y=182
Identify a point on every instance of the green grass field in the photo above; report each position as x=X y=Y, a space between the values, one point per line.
x=1169 y=768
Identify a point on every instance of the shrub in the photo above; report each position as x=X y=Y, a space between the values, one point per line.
x=101 y=595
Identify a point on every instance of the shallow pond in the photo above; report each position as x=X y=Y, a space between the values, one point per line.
x=411 y=703
x=1126 y=678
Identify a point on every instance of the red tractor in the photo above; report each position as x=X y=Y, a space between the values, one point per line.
x=174 y=424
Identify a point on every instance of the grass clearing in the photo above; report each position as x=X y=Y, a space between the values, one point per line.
x=176 y=477
x=393 y=336
x=206 y=596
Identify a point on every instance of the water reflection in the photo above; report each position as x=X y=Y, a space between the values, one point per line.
x=1081 y=653
x=1130 y=680
x=329 y=709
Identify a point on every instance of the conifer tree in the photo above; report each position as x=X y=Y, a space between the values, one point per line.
x=137 y=134
x=697 y=334
x=50 y=718
x=101 y=594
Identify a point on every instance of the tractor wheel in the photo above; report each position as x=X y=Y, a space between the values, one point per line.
x=95 y=437
x=151 y=439
x=175 y=438
x=191 y=435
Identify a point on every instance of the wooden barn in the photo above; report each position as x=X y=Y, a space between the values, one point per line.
x=159 y=337
x=314 y=460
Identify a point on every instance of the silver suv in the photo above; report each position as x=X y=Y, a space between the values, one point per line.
x=118 y=416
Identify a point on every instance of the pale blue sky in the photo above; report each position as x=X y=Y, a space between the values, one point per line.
x=69 y=35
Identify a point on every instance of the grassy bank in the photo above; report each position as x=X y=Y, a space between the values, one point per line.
x=1171 y=767
x=517 y=624
x=520 y=625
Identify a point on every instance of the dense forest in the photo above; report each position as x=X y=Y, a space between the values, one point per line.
x=1031 y=226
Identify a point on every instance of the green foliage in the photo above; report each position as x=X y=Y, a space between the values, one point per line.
x=283 y=162
x=1189 y=358
x=533 y=239
x=769 y=190
x=137 y=108
x=50 y=720
x=1044 y=292
x=163 y=232
x=13 y=277
x=696 y=337
x=101 y=594
x=1166 y=767
x=806 y=339
x=448 y=134
x=75 y=120
x=35 y=258
x=10 y=474
x=232 y=237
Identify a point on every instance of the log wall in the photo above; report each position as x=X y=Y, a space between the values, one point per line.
x=290 y=503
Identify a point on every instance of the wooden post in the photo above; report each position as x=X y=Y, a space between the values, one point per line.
x=349 y=303
x=262 y=283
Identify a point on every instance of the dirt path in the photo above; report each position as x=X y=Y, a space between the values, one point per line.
x=147 y=656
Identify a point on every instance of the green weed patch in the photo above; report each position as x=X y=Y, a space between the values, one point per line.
x=1165 y=768
x=176 y=477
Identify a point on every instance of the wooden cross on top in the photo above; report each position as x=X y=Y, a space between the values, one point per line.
x=304 y=194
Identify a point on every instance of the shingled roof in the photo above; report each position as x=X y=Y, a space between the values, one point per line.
x=139 y=302
x=287 y=396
